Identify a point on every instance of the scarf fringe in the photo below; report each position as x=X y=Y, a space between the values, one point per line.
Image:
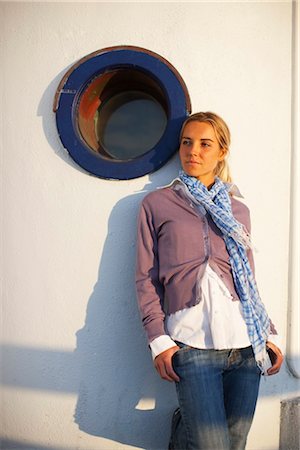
x=243 y=238
x=263 y=361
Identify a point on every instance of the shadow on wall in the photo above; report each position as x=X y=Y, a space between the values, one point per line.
x=120 y=395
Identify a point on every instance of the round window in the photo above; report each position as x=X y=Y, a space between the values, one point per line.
x=119 y=112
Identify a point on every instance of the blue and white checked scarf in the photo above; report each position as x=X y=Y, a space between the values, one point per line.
x=216 y=202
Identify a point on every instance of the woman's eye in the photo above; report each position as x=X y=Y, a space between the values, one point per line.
x=186 y=142
x=205 y=144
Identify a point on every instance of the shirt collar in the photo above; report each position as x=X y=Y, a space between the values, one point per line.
x=232 y=188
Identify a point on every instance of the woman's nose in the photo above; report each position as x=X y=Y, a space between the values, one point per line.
x=194 y=149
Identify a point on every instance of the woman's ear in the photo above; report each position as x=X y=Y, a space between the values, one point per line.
x=222 y=154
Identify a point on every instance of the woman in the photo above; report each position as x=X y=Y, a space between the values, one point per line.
x=206 y=325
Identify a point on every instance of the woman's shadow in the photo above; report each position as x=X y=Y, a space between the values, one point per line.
x=121 y=397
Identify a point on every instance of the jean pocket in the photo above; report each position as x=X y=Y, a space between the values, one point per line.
x=183 y=348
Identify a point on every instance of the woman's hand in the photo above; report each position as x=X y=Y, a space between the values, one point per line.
x=163 y=364
x=276 y=358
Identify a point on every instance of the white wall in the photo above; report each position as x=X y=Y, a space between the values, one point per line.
x=77 y=373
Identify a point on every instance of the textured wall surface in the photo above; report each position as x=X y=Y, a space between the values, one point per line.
x=289 y=424
x=77 y=373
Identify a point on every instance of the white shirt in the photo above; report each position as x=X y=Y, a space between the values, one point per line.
x=215 y=322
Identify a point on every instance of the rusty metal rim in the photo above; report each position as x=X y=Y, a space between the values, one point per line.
x=121 y=47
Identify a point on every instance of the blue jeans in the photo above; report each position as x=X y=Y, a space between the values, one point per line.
x=217 y=395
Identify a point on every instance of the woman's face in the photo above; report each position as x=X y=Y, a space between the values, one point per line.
x=200 y=151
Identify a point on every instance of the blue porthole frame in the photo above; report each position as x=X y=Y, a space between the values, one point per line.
x=78 y=78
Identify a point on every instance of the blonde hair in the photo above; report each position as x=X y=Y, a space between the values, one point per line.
x=223 y=137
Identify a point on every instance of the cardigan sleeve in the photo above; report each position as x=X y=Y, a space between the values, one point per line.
x=150 y=292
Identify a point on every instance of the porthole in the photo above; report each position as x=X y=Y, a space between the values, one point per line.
x=119 y=112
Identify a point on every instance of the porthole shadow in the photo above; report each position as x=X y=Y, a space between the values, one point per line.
x=44 y=111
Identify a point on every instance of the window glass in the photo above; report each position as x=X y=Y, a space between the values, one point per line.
x=122 y=114
x=130 y=124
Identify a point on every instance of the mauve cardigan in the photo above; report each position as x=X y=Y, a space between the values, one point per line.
x=174 y=244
